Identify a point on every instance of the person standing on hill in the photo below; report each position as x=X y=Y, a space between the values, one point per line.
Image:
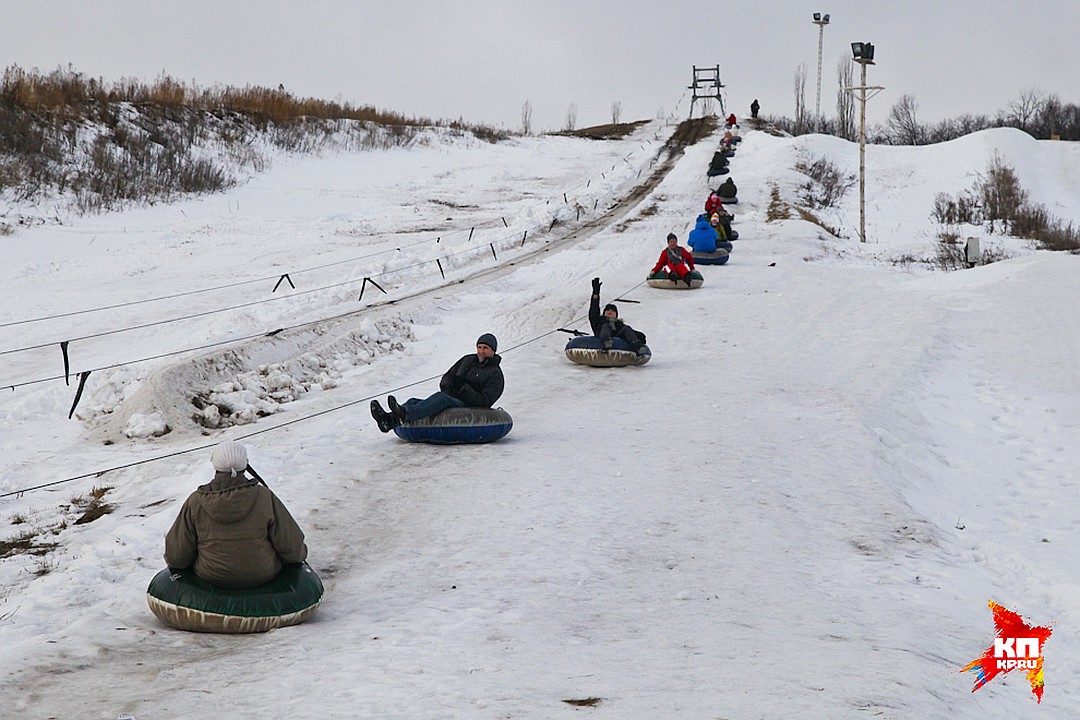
x=476 y=380
x=754 y=107
x=678 y=261
x=607 y=325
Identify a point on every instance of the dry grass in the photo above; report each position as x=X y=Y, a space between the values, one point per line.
x=812 y=218
x=105 y=147
x=26 y=543
x=611 y=131
x=778 y=209
x=92 y=506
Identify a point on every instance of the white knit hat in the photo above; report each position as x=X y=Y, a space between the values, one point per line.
x=229 y=456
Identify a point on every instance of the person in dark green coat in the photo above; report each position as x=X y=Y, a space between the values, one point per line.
x=234 y=532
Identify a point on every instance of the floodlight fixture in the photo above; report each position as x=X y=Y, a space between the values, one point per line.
x=862 y=51
x=817 y=16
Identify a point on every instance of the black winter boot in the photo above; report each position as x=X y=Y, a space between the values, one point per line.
x=397 y=410
x=386 y=421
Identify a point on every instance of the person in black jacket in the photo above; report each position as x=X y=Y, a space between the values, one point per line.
x=727 y=190
x=476 y=380
x=607 y=326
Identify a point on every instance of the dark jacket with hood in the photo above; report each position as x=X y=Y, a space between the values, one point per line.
x=234 y=533
x=477 y=384
x=605 y=328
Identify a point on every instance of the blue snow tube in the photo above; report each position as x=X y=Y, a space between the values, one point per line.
x=457 y=426
x=185 y=601
x=718 y=257
x=586 y=350
x=713 y=172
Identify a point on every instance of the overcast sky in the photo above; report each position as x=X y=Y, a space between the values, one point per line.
x=482 y=61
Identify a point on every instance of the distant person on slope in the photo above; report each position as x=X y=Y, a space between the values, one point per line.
x=607 y=325
x=732 y=121
x=678 y=261
x=727 y=190
x=234 y=532
x=754 y=107
x=721 y=223
x=713 y=203
x=476 y=380
x=703 y=237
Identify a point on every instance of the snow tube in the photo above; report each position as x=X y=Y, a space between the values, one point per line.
x=729 y=200
x=713 y=172
x=187 y=602
x=585 y=350
x=660 y=279
x=455 y=426
x=717 y=257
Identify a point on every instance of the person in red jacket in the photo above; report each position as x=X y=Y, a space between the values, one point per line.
x=677 y=260
x=713 y=203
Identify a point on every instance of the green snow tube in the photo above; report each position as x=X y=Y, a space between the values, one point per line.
x=183 y=600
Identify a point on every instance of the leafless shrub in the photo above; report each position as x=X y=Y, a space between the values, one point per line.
x=950 y=255
x=997 y=200
x=827 y=183
x=1000 y=193
x=963 y=210
x=526 y=118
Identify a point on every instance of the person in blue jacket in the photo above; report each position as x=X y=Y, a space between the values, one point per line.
x=703 y=237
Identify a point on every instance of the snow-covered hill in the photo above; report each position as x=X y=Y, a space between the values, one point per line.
x=799 y=508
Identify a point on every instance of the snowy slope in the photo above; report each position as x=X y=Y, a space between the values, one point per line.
x=798 y=508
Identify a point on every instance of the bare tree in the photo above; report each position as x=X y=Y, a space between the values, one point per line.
x=802 y=119
x=526 y=118
x=571 y=117
x=903 y=125
x=616 y=111
x=1023 y=111
x=845 y=101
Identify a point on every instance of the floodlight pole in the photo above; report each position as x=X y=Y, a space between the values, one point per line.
x=863 y=60
x=821 y=22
